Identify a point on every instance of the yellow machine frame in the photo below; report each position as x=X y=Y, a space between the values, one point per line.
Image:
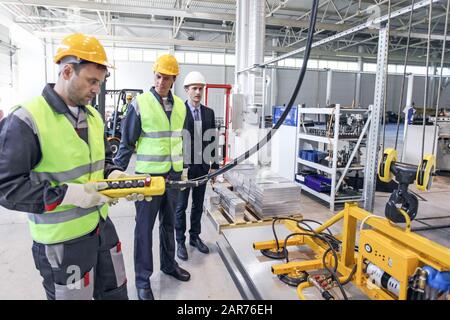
x=397 y=251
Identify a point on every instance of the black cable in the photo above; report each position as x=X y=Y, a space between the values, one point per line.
x=263 y=141
x=404 y=75
x=273 y=228
x=302 y=222
x=332 y=272
x=319 y=223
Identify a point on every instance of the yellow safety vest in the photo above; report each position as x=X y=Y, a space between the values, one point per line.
x=160 y=146
x=66 y=159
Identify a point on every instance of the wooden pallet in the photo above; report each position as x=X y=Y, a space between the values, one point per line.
x=221 y=220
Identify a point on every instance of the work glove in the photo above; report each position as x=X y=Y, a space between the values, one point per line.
x=86 y=195
x=184 y=176
x=117 y=174
x=138 y=197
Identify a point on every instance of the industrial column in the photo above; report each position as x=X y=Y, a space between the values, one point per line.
x=370 y=173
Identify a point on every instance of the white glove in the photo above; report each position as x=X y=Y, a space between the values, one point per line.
x=184 y=176
x=86 y=195
x=138 y=197
x=117 y=174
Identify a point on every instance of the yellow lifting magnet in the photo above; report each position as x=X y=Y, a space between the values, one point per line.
x=424 y=176
x=145 y=185
x=384 y=165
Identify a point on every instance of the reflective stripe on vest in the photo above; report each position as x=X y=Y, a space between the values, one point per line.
x=160 y=146
x=65 y=158
x=68 y=175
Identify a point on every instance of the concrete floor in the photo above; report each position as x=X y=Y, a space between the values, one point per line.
x=210 y=280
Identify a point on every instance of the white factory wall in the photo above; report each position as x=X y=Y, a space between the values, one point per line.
x=28 y=66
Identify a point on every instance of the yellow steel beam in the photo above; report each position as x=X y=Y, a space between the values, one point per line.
x=286 y=268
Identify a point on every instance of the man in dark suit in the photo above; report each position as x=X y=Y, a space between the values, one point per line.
x=199 y=144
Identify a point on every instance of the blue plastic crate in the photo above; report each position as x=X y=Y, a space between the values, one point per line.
x=312 y=155
x=318 y=183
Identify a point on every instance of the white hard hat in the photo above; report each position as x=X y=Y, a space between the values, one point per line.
x=194 y=77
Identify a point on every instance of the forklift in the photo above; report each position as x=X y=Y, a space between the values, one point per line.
x=113 y=123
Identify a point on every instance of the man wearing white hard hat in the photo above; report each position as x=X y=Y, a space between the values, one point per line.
x=199 y=158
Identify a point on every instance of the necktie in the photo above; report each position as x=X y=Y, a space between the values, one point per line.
x=196 y=115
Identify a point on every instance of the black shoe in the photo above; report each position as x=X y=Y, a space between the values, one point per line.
x=198 y=243
x=145 y=294
x=181 y=251
x=179 y=274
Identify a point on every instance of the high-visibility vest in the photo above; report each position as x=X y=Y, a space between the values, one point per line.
x=160 y=146
x=66 y=158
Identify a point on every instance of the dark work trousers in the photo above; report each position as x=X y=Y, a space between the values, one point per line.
x=84 y=268
x=146 y=213
x=198 y=196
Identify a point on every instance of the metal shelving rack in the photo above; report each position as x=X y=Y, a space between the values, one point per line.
x=334 y=172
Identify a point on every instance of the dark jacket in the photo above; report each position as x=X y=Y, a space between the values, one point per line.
x=209 y=140
x=20 y=152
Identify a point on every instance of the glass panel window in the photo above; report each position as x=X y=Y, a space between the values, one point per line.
x=352 y=66
x=289 y=62
x=217 y=59
x=342 y=65
x=333 y=65
x=162 y=52
x=370 y=67
x=191 y=57
x=312 y=64
x=135 y=54
x=120 y=54
x=204 y=58
x=179 y=55
x=323 y=64
x=149 y=55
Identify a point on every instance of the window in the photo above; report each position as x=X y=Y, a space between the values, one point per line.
x=298 y=63
x=204 y=58
x=392 y=68
x=323 y=64
x=179 y=56
x=217 y=59
x=289 y=62
x=162 y=52
x=281 y=63
x=120 y=54
x=230 y=59
x=191 y=57
x=416 y=70
x=312 y=64
x=352 y=66
x=333 y=65
x=370 y=67
x=149 y=55
x=135 y=54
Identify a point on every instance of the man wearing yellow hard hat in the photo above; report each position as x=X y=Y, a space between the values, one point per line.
x=155 y=122
x=52 y=146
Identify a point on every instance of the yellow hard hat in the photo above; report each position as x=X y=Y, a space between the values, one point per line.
x=166 y=64
x=84 y=48
x=129 y=96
